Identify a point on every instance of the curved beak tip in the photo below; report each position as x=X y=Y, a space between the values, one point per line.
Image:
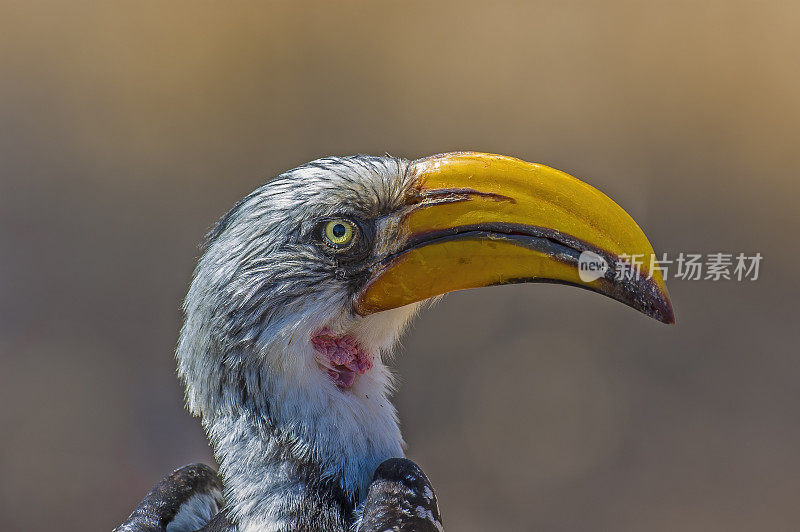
x=665 y=313
x=662 y=311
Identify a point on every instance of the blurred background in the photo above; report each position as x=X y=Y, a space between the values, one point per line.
x=128 y=128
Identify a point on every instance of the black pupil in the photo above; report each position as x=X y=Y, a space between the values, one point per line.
x=339 y=230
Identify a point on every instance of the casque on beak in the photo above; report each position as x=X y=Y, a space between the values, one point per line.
x=477 y=219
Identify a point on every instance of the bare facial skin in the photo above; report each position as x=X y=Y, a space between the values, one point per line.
x=341 y=356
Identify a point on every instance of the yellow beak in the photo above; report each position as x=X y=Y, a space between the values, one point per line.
x=477 y=219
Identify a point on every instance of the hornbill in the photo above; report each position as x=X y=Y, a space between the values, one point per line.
x=300 y=296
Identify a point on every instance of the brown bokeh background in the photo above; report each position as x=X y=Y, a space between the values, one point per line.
x=127 y=128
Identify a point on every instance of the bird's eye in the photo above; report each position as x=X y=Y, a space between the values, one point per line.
x=339 y=233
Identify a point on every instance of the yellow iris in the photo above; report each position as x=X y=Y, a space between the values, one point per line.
x=339 y=232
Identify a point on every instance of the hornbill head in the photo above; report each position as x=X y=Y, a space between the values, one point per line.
x=306 y=284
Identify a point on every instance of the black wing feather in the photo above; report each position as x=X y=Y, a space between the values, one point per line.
x=400 y=499
x=164 y=501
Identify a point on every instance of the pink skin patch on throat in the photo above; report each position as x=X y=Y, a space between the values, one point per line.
x=341 y=356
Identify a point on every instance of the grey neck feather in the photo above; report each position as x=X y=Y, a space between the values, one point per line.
x=288 y=453
x=271 y=484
